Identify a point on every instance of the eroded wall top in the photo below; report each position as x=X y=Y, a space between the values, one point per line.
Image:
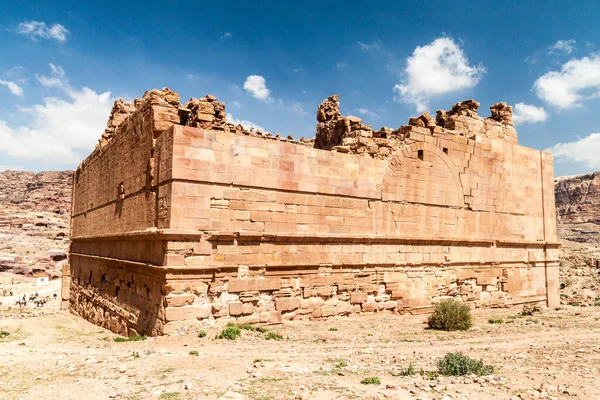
x=334 y=132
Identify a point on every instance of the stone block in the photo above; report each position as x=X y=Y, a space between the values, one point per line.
x=175 y=300
x=358 y=298
x=369 y=307
x=247 y=308
x=235 y=309
x=249 y=319
x=203 y=248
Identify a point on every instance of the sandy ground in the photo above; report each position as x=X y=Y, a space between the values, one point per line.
x=554 y=354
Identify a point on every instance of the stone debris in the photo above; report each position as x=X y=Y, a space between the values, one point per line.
x=205 y=112
x=502 y=112
x=118 y=113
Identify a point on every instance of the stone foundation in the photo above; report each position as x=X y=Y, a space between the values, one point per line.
x=180 y=218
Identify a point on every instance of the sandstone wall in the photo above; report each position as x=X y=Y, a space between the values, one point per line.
x=198 y=220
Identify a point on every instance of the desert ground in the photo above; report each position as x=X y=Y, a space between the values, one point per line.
x=552 y=354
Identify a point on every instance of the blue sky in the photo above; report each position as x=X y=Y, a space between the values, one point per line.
x=64 y=62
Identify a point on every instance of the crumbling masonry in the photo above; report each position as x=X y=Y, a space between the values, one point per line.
x=180 y=218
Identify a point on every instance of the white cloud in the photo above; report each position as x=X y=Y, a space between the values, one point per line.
x=341 y=65
x=37 y=29
x=584 y=151
x=527 y=113
x=256 y=86
x=367 y=112
x=62 y=131
x=374 y=45
x=297 y=108
x=226 y=35
x=245 y=123
x=434 y=69
x=565 y=46
x=17 y=73
x=577 y=79
x=57 y=77
x=13 y=87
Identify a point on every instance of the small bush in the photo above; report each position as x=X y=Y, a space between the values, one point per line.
x=121 y=339
x=4 y=334
x=202 y=334
x=273 y=336
x=450 y=315
x=568 y=282
x=373 y=380
x=194 y=353
x=135 y=354
x=409 y=371
x=457 y=364
x=332 y=329
x=341 y=364
x=431 y=375
x=231 y=332
x=495 y=321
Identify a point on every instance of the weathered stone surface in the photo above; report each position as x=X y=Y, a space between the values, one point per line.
x=578 y=198
x=182 y=217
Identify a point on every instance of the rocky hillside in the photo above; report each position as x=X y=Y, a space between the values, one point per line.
x=34 y=221
x=578 y=216
x=44 y=191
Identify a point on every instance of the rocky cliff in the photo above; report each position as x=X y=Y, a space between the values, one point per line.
x=578 y=216
x=34 y=221
x=44 y=191
x=578 y=198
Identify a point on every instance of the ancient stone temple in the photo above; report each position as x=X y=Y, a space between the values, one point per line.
x=180 y=218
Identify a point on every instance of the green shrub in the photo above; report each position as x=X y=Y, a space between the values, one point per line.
x=373 y=380
x=332 y=329
x=457 y=364
x=495 y=321
x=4 y=334
x=231 y=332
x=135 y=354
x=568 y=282
x=121 y=339
x=202 y=334
x=450 y=315
x=273 y=336
x=193 y=353
x=409 y=371
x=431 y=375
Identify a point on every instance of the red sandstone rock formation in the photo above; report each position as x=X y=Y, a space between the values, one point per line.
x=578 y=215
x=45 y=191
x=34 y=221
x=578 y=198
